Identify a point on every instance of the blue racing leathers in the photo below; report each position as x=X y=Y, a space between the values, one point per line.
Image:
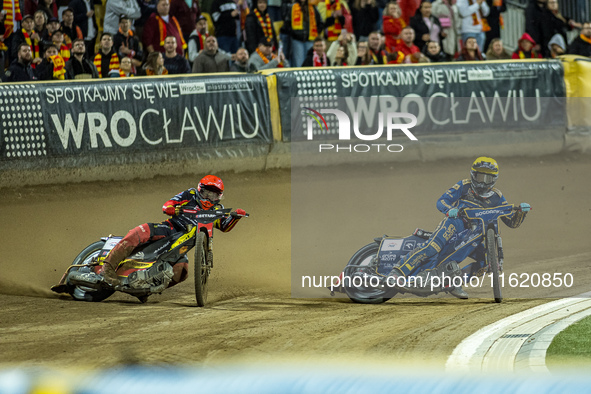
x=452 y=234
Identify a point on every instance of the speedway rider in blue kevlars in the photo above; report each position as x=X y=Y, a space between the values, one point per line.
x=207 y=196
x=476 y=192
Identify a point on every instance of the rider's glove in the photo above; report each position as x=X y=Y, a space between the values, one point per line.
x=525 y=207
x=453 y=213
x=239 y=213
x=170 y=210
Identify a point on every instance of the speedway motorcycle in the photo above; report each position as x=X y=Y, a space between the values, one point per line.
x=148 y=269
x=480 y=241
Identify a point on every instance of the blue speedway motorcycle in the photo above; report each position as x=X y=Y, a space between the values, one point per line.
x=365 y=279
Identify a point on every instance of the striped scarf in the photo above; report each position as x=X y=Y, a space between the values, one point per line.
x=333 y=31
x=162 y=30
x=33 y=44
x=113 y=64
x=297 y=20
x=533 y=55
x=475 y=22
x=122 y=74
x=586 y=39
x=64 y=52
x=59 y=70
x=13 y=13
x=375 y=58
x=265 y=24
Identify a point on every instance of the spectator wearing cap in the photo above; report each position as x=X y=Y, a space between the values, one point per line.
x=317 y=55
x=264 y=57
x=174 y=63
x=71 y=31
x=106 y=60
x=197 y=38
x=52 y=25
x=84 y=18
x=29 y=36
x=473 y=14
x=258 y=26
x=186 y=12
x=211 y=59
x=115 y=9
x=582 y=44
x=226 y=15
x=161 y=25
x=241 y=63
x=126 y=43
x=496 y=50
x=57 y=39
x=526 y=49
x=79 y=67
x=21 y=69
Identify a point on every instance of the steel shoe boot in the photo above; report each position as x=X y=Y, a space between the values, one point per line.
x=110 y=276
x=459 y=293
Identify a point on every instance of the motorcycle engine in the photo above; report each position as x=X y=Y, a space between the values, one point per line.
x=156 y=278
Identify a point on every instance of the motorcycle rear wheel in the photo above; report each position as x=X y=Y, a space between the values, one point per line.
x=357 y=266
x=201 y=270
x=492 y=258
x=82 y=293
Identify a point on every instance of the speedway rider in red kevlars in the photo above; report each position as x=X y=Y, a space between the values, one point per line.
x=207 y=196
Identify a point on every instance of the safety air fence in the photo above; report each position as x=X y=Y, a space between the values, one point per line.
x=72 y=131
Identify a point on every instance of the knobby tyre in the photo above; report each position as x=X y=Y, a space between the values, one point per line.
x=82 y=293
x=201 y=270
x=492 y=257
x=360 y=264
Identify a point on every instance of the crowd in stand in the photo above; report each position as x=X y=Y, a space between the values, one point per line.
x=66 y=39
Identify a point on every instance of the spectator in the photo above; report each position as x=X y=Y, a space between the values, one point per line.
x=376 y=54
x=40 y=20
x=79 y=67
x=264 y=58
x=49 y=7
x=426 y=26
x=303 y=24
x=411 y=52
x=526 y=49
x=186 y=12
x=71 y=31
x=147 y=7
x=161 y=25
x=557 y=23
x=30 y=37
x=274 y=9
x=336 y=16
x=52 y=25
x=536 y=19
x=225 y=15
x=473 y=14
x=84 y=18
x=347 y=41
x=197 y=38
x=432 y=51
x=241 y=64
x=126 y=68
x=451 y=23
x=211 y=60
x=470 y=51
x=106 y=60
x=174 y=63
x=57 y=39
x=557 y=46
x=341 y=56
x=363 y=55
x=392 y=24
x=115 y=9
x=155 y=64
x=365 y=15
x=52 y=67
x=127 y=44
x=582 y=44
x=496 y=50
x=317 y=55
x=494 y=20
x=259 y=26
x=20 y=69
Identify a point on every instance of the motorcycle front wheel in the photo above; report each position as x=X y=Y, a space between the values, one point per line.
x=83 y=293
x=492 y=259
x=356 y=284
x=201 y=270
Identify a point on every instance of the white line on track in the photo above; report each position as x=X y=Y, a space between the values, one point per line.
x=520 y=341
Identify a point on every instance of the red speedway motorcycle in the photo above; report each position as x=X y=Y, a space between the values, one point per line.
x=148 y=269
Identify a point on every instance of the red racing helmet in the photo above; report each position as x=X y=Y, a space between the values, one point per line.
x=210 y=191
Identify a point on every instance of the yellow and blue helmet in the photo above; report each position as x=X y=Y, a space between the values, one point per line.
x=484 y=174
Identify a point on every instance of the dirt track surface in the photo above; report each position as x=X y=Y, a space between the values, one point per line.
x=251 y=313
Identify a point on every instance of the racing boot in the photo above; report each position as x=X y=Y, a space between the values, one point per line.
x=392 y=278
x=459 y=293
x=110 y=275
